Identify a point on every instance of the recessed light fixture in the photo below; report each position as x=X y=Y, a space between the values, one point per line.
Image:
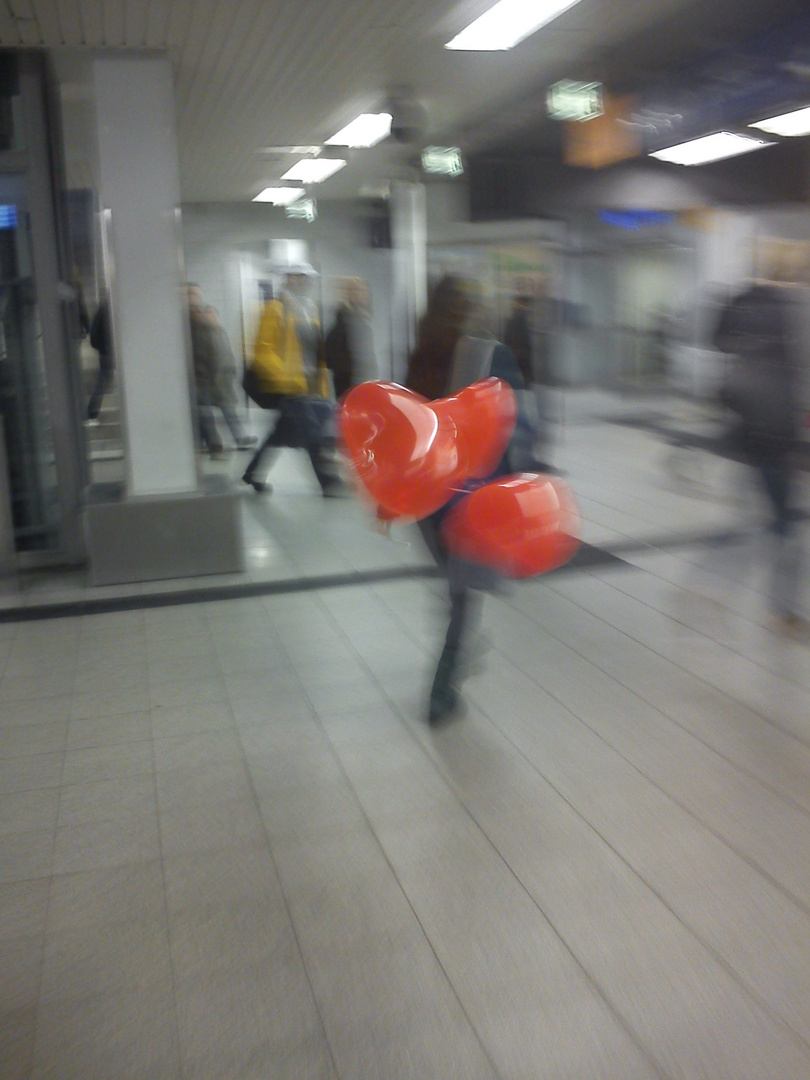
x=507 y=23
x=708 y=148
x=279 y=196
x=313 y=170
x=299 y=151
x=365 y=130
x=788 y=124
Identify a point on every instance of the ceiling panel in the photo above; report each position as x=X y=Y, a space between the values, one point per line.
x=253 y=73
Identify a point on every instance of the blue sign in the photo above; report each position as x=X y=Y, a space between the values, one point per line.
x=635 y=219
x=8 y=216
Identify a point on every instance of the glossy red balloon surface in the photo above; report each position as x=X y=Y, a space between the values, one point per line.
x=521 y=525
x=484 y=415
x=406 y=455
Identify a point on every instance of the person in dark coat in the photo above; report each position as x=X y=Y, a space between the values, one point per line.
x=204 y=358
x=102 y=341
x=223 y=391
x=349 y=345
x=517 y=336
x=760 y=389
x=453 y=350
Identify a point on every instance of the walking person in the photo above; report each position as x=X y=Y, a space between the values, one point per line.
x=455 y=347
x=204 y=358
x=349 y=345
x=287 y=373
x=761 y=390
x=102 y=341
x=223 y=391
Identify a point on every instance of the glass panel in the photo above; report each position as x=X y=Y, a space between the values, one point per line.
x=12 y=133
x=23 y=389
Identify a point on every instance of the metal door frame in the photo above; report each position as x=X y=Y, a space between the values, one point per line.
x=35 y=162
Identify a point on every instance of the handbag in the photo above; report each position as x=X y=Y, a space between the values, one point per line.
x=251 y=386
x=306 y=421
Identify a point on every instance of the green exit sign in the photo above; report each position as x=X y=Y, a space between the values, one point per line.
x=569 y=100
x=444 y=160
x=304 y=209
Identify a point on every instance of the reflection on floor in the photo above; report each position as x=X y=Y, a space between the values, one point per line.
x=231 y=847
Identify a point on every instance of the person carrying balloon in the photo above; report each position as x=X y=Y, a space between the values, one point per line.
x=451 y=451
x=454 y=349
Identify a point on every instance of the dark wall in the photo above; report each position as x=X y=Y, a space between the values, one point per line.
x=515 y=187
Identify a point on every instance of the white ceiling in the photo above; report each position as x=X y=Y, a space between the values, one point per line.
x=257 y=73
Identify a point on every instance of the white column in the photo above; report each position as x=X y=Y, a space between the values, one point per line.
x=140 y=187
x=409 y=242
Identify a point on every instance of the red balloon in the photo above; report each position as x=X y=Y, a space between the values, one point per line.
x=521 y=525
x=484 y=415
x=405 y=455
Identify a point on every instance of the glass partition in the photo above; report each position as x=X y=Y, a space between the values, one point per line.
x=23 y=388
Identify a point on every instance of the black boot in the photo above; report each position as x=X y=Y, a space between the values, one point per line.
x=444 y=697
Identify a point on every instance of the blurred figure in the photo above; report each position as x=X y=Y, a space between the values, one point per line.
x=224 y=395
x=455 y=347
x=349 y=345
x=528 y=335
x=82 y=315
x=204 y=358
x=761 y=390
x=289 y=375
x=517 y=336
x=102 y=341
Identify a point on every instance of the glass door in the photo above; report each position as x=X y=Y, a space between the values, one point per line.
x=24 y=406
x=41 y=441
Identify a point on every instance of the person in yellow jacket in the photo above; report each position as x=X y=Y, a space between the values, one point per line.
x=287 y=373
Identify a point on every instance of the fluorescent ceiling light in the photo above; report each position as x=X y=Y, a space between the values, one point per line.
x=365 y=130
x=789 y=124
x=313 y=170
x=722 y=144
x=507 y=23
x=297 y=150
x=279 y=196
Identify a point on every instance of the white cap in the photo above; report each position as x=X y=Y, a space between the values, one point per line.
x=300 y=270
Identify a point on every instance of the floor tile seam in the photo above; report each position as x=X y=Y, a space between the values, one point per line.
x=802 y=1043
x=288 y=908
x=89 y=606
x=664 y=716
x=735 y=536
x=613 y=1011
x=329 y=615
x=150 y=601
x=435 y=766
x=448 y=782
x=674 y=618
x=167 y=921
x=41 y=972
x=698 y=679
x=448 y=982
x=797 y=902
x=30 y=753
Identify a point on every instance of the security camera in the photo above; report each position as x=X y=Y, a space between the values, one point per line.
x=408 y=117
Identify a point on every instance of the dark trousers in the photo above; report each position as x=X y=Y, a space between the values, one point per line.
x=777 y=476
x=100 y=387
x=281 y=436
x=461 y=597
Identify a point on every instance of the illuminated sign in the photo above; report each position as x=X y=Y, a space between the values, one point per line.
x=304 y=209
x=568 y=100
x=8 y=216
x=635 y=219
x=445 y=160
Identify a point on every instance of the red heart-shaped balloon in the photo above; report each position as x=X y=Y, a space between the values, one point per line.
x=521 y=525
x=403 y=452
x=484 y=415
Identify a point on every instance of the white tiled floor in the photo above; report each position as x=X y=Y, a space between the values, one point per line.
x=230 y=847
